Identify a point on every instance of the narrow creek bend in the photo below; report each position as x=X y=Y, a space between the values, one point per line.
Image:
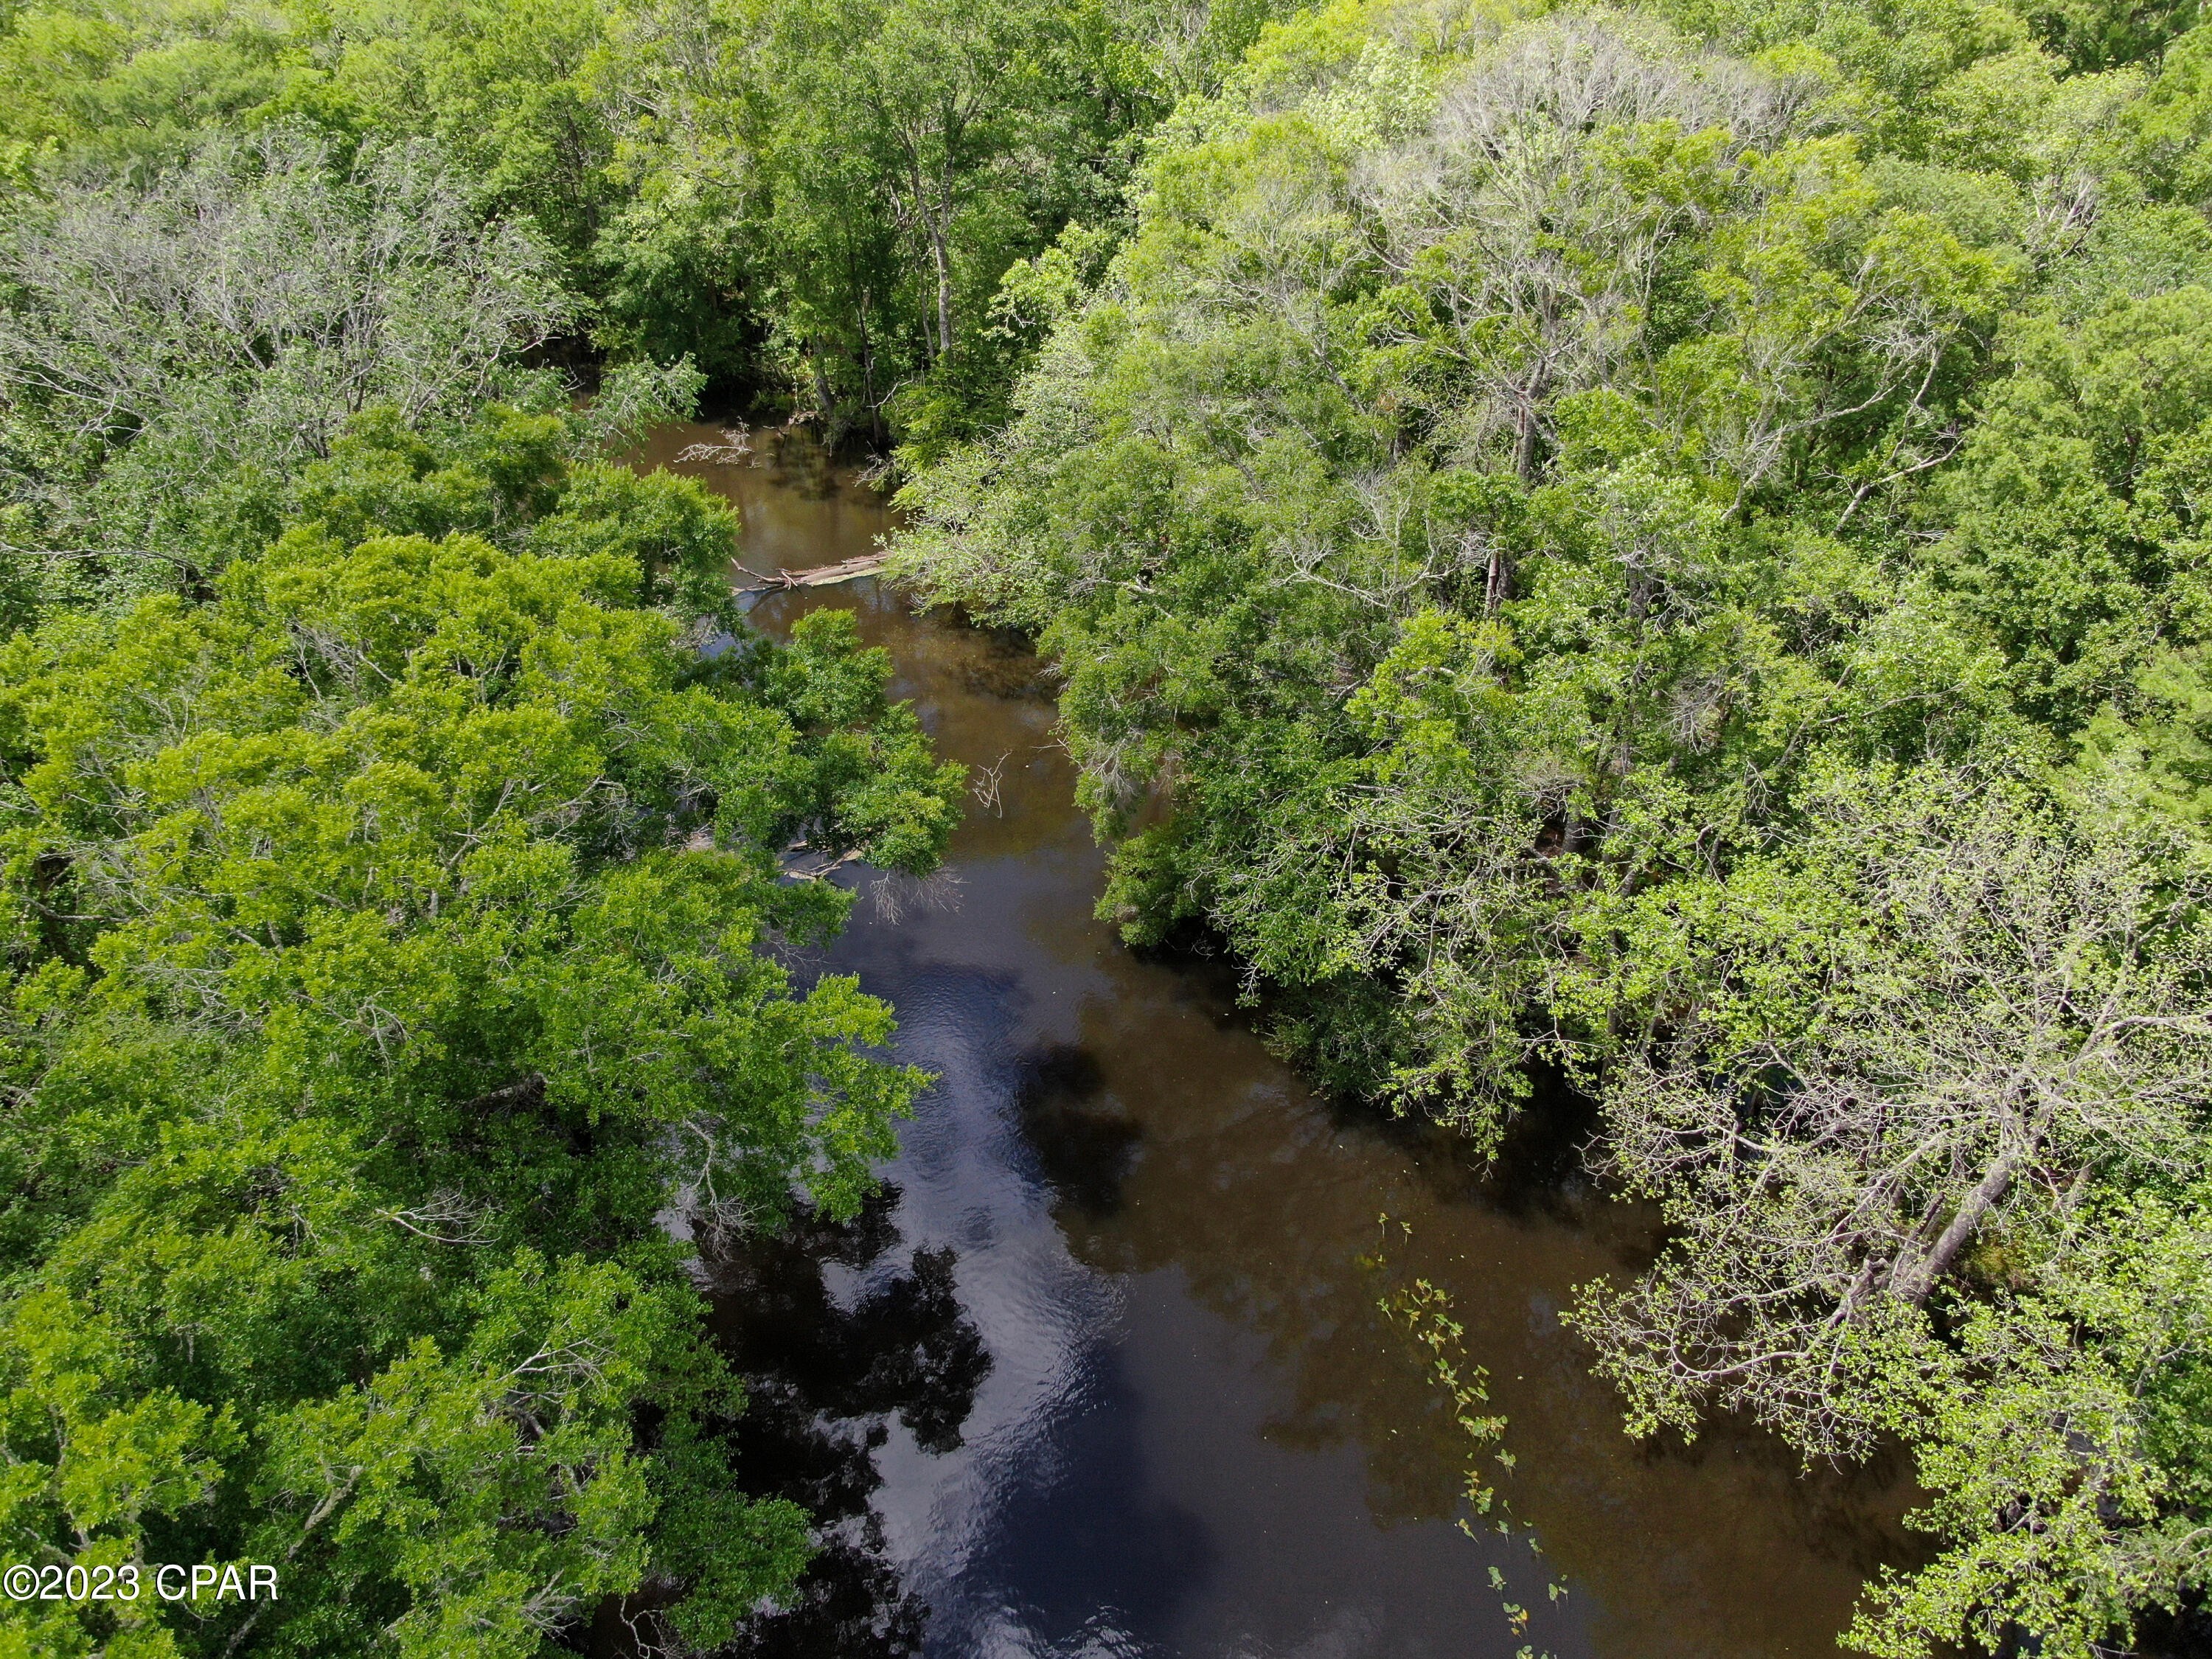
x=1102 y=1370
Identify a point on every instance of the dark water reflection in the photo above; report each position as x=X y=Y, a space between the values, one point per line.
x=1102 y=1372
x=825 y=1376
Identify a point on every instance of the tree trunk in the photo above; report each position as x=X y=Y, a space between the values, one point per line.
x=825 y=396
x=942 y=253
x=868 y=372
x=1914 y=1283
x=527 y=1092
x=1524 y=447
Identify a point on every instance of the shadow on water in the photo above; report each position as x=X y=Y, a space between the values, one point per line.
x=823 y=1377
x=1103 y=1370
x=1083 y=1144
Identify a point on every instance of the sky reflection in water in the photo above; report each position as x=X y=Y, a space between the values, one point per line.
x=1102 y=1373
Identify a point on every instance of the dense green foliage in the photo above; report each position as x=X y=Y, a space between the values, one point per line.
x=392 y=806
x=816 y=196
x=390 y=927
x=1665 y=547
x=1669 y=547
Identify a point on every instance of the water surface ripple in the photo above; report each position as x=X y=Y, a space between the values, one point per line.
x=1100 y=1372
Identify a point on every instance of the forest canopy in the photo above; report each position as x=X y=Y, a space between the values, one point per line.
x=1663 y=550
x=391 y=847
x=1652 y=551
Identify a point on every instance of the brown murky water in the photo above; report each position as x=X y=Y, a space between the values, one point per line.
x=1102 y=1371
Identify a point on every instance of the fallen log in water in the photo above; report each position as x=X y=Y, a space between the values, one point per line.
x=824 y=575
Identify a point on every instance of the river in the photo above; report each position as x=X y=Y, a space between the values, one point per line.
x=1101 y=1371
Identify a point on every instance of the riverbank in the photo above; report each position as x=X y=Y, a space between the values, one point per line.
x=1104 y=1373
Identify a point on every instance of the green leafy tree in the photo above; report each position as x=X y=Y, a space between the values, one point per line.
x=416 y=890
x=1570 y=548
x=174 y=352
